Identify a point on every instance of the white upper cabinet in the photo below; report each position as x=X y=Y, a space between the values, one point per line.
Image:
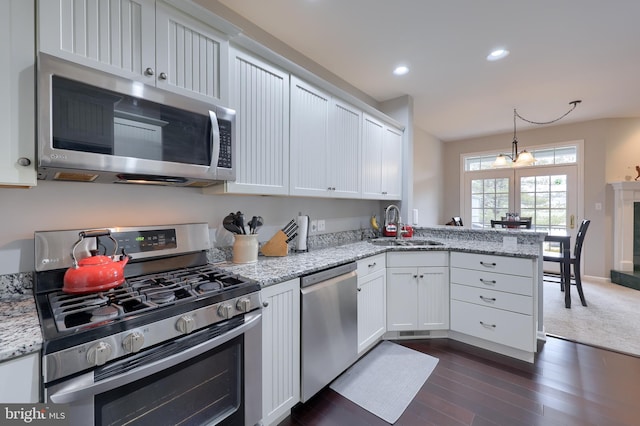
x=381 y=160
x=343 y=150
x=143 y=40
x=260 y=95
x=309 y=136
x=372 y=136
x=392 y=163
x=325 y=144
x=17 y=103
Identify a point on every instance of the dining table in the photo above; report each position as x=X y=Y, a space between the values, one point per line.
x=565 y=250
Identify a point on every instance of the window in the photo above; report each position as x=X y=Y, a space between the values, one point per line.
x=543 y=156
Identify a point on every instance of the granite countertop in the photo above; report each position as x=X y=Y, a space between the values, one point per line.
x=273 y=270
x=20 y=328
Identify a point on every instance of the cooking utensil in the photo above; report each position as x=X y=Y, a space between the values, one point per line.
x=229 y=223
x=258 y=223
x=96 y=272
x=240 y=222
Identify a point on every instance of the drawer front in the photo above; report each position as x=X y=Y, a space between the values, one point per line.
x=417 y=258
x=491 y=298
x=372 y=264
x=495 y=325
x=490 y=263
x=493 y=281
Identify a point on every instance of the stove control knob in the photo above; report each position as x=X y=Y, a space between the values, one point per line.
x=185 y=324
x=133 y=342
x=99 y=353
x=225 y=310
x=243 y=304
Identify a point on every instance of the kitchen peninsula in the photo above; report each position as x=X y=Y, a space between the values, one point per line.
x=460 y=245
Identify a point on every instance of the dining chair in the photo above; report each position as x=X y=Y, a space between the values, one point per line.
x=574 y=260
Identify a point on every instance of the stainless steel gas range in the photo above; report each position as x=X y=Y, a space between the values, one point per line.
x=178 y=342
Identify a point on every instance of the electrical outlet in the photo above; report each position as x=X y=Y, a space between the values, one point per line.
x=321 y=225
x=314 y=226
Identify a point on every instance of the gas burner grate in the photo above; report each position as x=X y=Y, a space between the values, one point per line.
x=139 y=294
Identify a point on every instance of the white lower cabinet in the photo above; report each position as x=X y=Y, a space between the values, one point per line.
x=417 y=291
x=21 y=379
x=372 y=297
x=280 y=350
x=492 y=298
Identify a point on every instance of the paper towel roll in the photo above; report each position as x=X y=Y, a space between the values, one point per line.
x=303 y=231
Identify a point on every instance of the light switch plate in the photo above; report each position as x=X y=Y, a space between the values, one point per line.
x=321 y=225
x=314 y=226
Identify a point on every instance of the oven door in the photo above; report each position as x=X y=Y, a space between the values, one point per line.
x=212 y=376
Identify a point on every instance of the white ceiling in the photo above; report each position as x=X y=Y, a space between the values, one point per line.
x=561 y=50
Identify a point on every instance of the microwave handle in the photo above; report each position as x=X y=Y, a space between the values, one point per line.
x=215 y=140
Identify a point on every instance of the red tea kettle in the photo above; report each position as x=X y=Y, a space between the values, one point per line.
x=96 y=272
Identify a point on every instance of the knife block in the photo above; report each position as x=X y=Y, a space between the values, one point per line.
x=276 y=246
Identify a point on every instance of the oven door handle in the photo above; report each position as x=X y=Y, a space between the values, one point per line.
x=77 y=390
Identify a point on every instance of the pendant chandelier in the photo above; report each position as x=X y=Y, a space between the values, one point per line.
x=524 y=157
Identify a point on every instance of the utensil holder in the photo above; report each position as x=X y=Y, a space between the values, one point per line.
x=245 y=249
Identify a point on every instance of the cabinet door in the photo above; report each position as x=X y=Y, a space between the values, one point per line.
x=392 y=164
x=20 y=377
x=433 y=297
x=372 y=139
x=343 y=165
x=371 y=309
x=113 y=36
x=280 y=349
x=260 y=95
x=309 y=136
x=191 y=57
x=402 y=299
x=17 y=103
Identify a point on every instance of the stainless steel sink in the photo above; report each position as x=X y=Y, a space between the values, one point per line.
x=403 y=242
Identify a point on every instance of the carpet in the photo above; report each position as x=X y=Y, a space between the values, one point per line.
x=386 y=379
x=611 y=319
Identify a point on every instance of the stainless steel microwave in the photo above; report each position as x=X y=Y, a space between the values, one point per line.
x=97 y=127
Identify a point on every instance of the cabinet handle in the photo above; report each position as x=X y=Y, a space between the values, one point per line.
x=265 y=304
x=371 y=265
x=487 y=264
x=24 y=161
x=149 y=71
x=415 y=276
x=487 y=282
x=487 y=325
x=421 y=276
x=360 y=289
x=488 y=299
x=162 y=76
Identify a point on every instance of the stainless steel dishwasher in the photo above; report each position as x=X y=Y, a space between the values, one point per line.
x=329 y=337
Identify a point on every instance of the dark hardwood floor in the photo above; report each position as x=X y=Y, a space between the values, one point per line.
x=569 y=384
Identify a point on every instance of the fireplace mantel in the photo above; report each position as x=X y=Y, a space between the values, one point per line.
x=626 y=194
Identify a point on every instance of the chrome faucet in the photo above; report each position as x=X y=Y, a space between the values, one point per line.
x=399 y=231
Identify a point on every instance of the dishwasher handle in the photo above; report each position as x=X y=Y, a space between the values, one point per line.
x=327 y=274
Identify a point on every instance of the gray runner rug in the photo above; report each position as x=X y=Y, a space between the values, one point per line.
x=386 y=379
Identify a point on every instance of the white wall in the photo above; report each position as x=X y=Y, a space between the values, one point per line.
x=61 y=205
x=428 y=188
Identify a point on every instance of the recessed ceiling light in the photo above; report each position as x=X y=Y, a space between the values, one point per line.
x=497 y=54
x=401 y=70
